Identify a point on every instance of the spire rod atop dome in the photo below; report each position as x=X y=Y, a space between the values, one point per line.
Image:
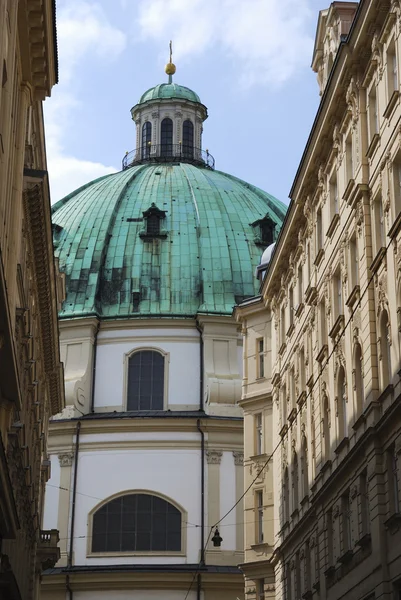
x=170 y=67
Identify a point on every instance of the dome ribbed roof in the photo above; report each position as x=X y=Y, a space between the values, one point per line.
x=169 y=90
x=204 y=263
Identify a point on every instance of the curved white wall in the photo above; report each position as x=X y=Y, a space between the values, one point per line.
x=182 y=363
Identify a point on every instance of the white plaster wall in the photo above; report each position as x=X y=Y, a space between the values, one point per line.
x=174 y=473
x=52 y=493
x=227 y=500
x=136 y=595
x=182 y=363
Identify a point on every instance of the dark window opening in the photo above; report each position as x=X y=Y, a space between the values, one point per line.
x=137 y=523
x=264 y=230
x=153 y=217
x=153 y=224
x=146 y=381
x=146 y=139
x=188 y=139
x=166 y=138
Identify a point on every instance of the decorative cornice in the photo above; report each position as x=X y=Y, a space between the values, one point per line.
x=39 y=233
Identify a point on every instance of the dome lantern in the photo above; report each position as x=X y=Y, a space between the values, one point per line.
x=169 y=124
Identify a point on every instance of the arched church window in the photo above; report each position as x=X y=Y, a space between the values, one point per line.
x=146 y=381
x=146 y=139
x=188 y=138
x=166 y=137
x=137 y=523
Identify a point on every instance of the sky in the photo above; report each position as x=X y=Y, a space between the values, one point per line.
x=248 y=60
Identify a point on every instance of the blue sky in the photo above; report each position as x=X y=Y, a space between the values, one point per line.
x=249 y=61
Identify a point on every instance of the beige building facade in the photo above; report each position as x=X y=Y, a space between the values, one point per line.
x=322 y=342
x=31 y=377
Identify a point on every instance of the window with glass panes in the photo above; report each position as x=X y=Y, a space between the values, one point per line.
x=137 y=523
x=259 y=516
x=146 y=139
x=258 y=434
x=373 y=115
x=145 y=381
x=261 y=358
x=188 y=138
x=166 y=137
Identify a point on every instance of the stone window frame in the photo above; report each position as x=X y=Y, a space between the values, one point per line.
x=128 y=355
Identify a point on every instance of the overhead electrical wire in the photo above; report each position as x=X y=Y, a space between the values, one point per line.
x=298 y=410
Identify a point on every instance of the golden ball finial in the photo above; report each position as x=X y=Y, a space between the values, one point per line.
x=170 y=68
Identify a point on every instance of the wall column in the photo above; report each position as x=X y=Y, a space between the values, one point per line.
x=213 y=458
x=65 y=460
x=239 y=490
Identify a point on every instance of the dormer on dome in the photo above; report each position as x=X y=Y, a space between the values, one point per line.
x=333 y=27
x=168 y=119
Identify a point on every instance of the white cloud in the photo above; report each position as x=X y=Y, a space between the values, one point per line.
x=266 y=38
x=83 y=33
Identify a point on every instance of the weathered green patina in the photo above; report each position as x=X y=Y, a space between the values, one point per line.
x=202 y=262
x=169 y=90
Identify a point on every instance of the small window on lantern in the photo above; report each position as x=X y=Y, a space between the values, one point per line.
x=264 y=231
x=153 y=218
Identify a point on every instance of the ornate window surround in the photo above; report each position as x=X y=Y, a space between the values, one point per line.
x=128 y=355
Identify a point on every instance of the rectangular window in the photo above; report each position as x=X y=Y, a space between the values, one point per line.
x=397 y=187
x=392 y=70
x=300 y=285
x=259 y=434
x=334 y=207
x=346 y=522
x=338 y=294
x=378 y=220
x=292 y=388
x=349 y=160
x=393 y=483
x=259 y=517
x=365 y=517
x=284 y=403
x=323 y=323
x=282 y=313
x=261 y=358
x=329 y=537
x=291 y=305
x=319 y=231
x=302 y=373
x=373 y=117
x=354 y=261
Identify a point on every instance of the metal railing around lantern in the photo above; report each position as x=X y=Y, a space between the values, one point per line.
x=167 y=153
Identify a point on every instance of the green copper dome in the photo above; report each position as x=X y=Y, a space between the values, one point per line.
x=169 y=90
x=201 y=260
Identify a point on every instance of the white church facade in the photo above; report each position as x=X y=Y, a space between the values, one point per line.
x=146 y=458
